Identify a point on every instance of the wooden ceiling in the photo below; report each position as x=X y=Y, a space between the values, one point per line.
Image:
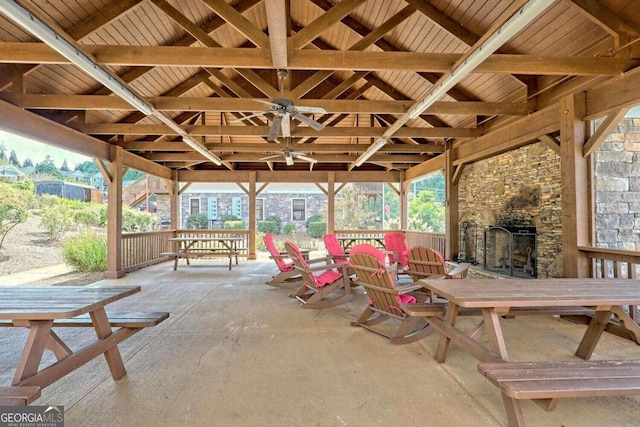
x=205 y=63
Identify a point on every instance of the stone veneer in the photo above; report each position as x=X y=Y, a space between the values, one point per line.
x=617 y=180
x=518 y=188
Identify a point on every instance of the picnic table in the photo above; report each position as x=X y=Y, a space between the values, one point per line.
x=496 y=298
x=40 y=308
x=348 y=242
x=188 y=246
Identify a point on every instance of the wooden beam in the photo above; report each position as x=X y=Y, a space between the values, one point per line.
x=307 y=59
x=324 y=21
x=550 y=142
x=614 y=23
x=178 y=103
x=603 y=131
x=278 y=23
x=239 y=22
x=192 y=156
x=297 y=132
x=620 y=92
x=286 y=176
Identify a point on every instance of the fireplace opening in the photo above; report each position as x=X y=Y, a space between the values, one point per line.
x=468 y=242
x=510 y=250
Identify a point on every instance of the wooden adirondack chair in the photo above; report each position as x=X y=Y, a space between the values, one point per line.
x=320 y=281
x=426 y=262
x=288 y=276
x=385 y=298
x=395 y=244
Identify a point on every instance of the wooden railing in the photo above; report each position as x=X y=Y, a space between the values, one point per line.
x=610 y=263
x=414 y=238
x=430 y=240
x=613 y=263
x=143 y=249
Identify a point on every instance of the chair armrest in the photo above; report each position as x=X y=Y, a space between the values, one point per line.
x=324 y=267
x=281 y=256
x=410 y=287
x=461 y=269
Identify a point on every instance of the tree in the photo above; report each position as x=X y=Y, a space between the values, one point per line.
x=13 y=158
x=87 y=167
x=27 y=163
x=64 y=166
x=47 y=167
x=132 y=175
x=352 y=210
x=13 y=209
x=425 y=214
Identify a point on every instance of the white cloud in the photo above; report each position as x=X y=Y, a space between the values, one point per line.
x=28 y=149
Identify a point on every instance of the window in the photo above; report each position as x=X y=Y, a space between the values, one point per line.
x=299 y=209
x=259 y=209
x=194 y=206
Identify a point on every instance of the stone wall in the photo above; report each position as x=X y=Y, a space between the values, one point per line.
x=518 y=188
x=617 y=183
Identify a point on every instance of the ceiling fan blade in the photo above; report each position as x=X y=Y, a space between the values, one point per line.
x=251 y=116
x=286 y=125
x=271 y=157
x=305 y=158
x=269 y=103
x=311 y=110
x=275 y=128
x=309 y=122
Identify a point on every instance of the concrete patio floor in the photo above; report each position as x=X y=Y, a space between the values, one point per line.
x=236 y=352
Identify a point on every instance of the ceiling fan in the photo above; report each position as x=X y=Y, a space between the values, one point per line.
x=284 y=110
x=289 y=155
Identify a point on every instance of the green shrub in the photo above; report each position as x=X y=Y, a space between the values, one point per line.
x=278 y=222
x=87 y=251
x=289 y=228
x=233 y=225
x=317 y=229
x=89 y=214
x=197 y=222
x=268 y=227
x=314 y=218
x=229 y=217
x=57 y=220
x=13 y=209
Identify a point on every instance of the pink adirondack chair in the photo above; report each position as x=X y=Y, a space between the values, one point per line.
x=320 y=280
x=334 y=249
x=288 y=276
x=386 y=298
x=395 y=244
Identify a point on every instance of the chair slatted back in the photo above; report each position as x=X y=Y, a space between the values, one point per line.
x=395 y=242
x=425 y=262
x=374 y=276
x=333 y=248
x=271 y=247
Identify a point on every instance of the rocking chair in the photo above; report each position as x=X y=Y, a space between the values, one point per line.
x=385 y=298
x=287 y=275
x=426 y=262
x=320 y=281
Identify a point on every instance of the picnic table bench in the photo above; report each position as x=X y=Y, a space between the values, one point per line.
x=41 y=309
x=188 y=247
x=18 y=395
x=546 y=382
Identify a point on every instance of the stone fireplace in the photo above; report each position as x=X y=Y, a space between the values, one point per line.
x=517 y=190
x=510 y=250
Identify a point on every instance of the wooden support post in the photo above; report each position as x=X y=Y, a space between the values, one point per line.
x=451 y=206
x=114 y=214
x=331 y=203
x=174 y=201
x=405 y=186
x=252 y=215
x=575 y=177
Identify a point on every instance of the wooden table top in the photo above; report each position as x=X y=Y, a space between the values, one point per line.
x=536 y=292
x=57 y=302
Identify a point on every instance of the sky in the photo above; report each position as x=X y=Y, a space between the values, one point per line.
x=28 y=149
